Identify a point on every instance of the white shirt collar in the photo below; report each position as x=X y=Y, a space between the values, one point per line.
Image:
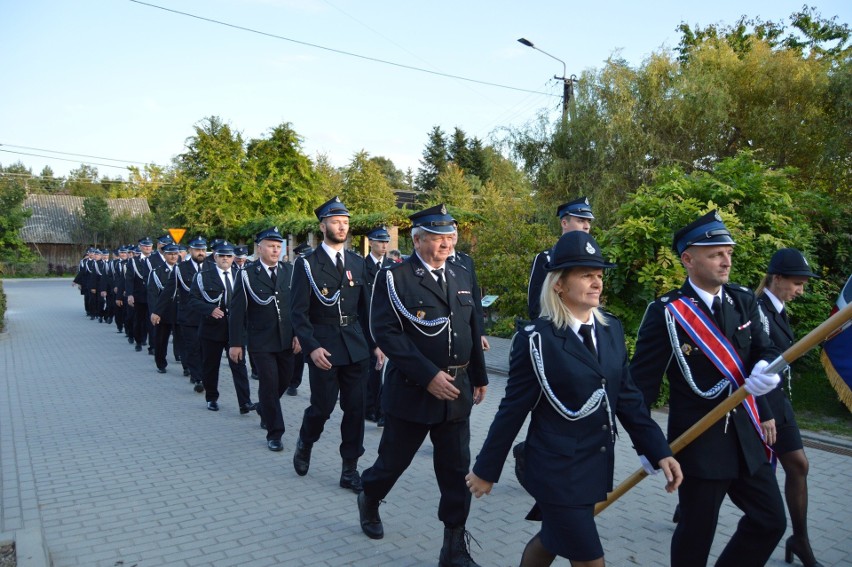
x=575 y=326
x=705 y=296
x=430 y=268
x=376 y=259
x=332 y=253
x=777 y=303
x=265 y=267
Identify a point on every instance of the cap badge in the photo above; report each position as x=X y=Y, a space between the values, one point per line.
x=589 y=248
x=586 y=201
x=443 y=209
x=718 y=216
x=337 y=199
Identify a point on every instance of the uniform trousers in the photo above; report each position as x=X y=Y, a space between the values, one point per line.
x=191 y=351
x=374 y=388
x=161 y=344
x=129 y=320
x=402 y=439
x=141 y=320
x=758 y=531
x=349 y=382
x=211 y=357
x=273 y=372
x=298 y=369
x=119 y=315
x=177 y=344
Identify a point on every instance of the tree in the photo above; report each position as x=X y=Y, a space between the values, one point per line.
x=211 y=180
x=452 y=188
x=365 y=188
x=96 y=220
x=83 y=182
x=13 y=216
x=435 y=158
x=283 y=177
x=48 y=183
x=395 y=177
x=329 y=179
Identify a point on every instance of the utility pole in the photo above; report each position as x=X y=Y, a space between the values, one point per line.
x=567 y=82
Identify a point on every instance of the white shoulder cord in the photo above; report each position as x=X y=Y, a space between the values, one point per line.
x=399 y=309
x=206 y=297
x=710 y=394
x=591 y=405
x=179 y=276
x=97 y=269
x=157 y=281
x=328 y=301
x=251 y=292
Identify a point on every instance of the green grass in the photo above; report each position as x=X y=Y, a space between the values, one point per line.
x=816 y=405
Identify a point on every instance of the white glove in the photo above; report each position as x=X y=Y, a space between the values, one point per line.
x=759 y=383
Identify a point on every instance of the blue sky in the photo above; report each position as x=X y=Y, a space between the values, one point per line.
x=122 y=80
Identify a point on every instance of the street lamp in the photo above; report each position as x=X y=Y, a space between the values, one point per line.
x=567 y=82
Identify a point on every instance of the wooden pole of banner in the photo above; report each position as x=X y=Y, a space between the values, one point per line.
x=802 y=346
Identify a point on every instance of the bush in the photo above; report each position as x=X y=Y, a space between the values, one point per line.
x=36 y=269
x=2 y=308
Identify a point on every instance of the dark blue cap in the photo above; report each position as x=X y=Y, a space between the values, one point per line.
x=241 y=251
x=434 y=219
x=576 y=208
x=379 y=234
x=171 y=248
x=332 y=208
x=708 y=230
x=302 y=249
x=269 y=234
x=122 y=248
x=576 y=249
x=104 y=252
x=216 y=242
x=198 y=242
x=165 y=239
x=790 y=262
x=146 y=241
x=224 y=248
x=181 y=247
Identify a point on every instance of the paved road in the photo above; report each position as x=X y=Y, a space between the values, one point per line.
x=120 y=465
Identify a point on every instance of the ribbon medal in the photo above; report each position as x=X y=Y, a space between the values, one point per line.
x=324 y=291
x=349 y=276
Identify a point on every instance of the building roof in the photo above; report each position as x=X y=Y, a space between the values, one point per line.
x=57 y=218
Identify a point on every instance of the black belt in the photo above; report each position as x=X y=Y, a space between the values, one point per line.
x=454 y=370
x=343 y=320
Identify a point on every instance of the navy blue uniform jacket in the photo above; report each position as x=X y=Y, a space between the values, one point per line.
x=715 y=454
x=414 y=358
x=569 y=462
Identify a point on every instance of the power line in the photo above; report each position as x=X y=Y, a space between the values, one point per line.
x=333 y=50
x=128 y=183
x=62 y=159
x=72 y=154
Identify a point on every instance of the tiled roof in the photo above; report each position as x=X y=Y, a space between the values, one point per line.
x=56 y=218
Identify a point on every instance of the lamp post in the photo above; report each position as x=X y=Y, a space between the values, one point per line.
x=567 y=82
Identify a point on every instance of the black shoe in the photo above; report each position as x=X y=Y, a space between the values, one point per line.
x=138 y=348
x=185 y=372
x=380 y=422
x=161 y=370
x=130 y=340
x=151 y=351
x=247 y=407
x=455 y=551
x=254 y=376
x=802 y=550
x=370 y=416
x=349 y=477
x=302 y=457
x=368 y=511
x=120 y=331
x=213 y=406
x=292 y=390
x=199 y=387
x=275 y=445
x=177 y=359
x=262 y=424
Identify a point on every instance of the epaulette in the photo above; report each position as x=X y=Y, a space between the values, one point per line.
x=670 y=296
x=533 y=326
x=734 y=289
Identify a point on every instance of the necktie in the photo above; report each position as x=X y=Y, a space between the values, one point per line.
x=229 y=291
x=339 y=264
x=717 y=313
x=586 y=333
x=439 y=274
x=273 y=275
x=784 y=315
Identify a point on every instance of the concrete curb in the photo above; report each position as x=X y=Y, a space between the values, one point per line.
x=30 y=548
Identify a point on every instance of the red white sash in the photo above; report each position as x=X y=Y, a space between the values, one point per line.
x=716 y=346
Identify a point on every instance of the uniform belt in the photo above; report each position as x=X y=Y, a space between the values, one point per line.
x=343 y=320
x=454 y=370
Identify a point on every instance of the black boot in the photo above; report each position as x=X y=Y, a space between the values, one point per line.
x=455 y=552
x=350 y=478
x=368 y=511
x=302 y=457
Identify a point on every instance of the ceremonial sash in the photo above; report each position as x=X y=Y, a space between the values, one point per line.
x=716 y=346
